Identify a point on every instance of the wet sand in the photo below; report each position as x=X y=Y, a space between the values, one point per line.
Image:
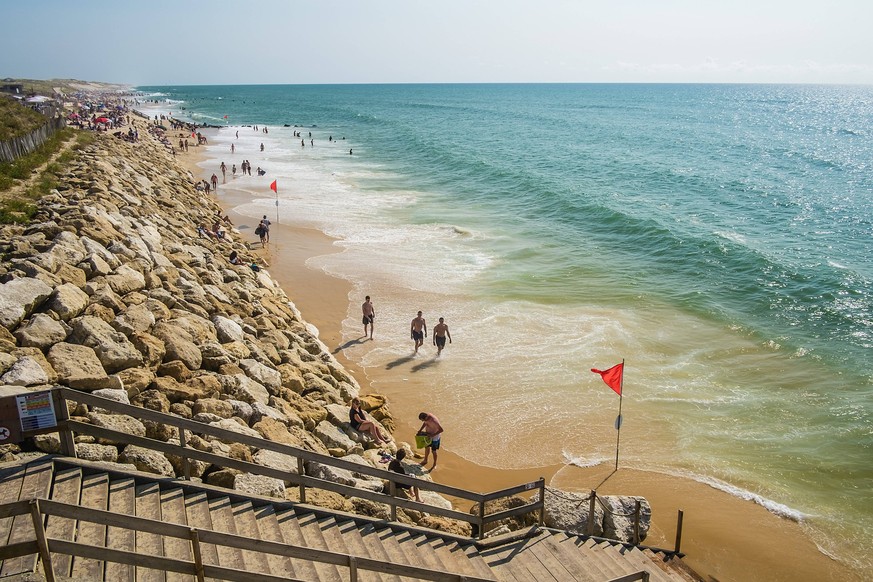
x=723 y=536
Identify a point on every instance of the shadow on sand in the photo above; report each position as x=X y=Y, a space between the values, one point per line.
x=398 y=362
x=425 y=365
x=349 y=344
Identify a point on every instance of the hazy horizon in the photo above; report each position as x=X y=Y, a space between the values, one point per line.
x=394 y=42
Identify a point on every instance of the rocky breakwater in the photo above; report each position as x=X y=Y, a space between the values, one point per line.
x=111 y=290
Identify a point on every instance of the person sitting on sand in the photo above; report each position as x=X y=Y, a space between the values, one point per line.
x=396 y=465
x=359 y=422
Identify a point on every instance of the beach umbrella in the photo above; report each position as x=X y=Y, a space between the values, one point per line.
x=74 y=115
x=101 y=120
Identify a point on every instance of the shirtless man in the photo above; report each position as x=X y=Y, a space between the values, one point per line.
x=440 y=331
x=223 y=173
x=369 y=314
x=418 y=331
x=215 y=181
x=430 y=425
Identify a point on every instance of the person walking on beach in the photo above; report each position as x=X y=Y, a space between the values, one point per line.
x=369 y=313
x=214 y=180
x=359 y=422
x=232 y=148
x=430 y=426
x=418 y=331
x=261 y=231
x=223 y=173
x=440 y=332
x=265 y=222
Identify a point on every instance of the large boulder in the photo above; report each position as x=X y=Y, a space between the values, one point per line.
x=126 y=280
x=259 y=485
x=112 y=348
x=568 y=511
x=18 y=299
x=241 y=387
x=40 y=332
x=78 y=367
x=68 y=301
x=117 y=422
x=147 y=460
x=333 y=437
x=178 y=344
x=27 y=371
x=618 y=522
x=227 y=330
x=268 y=377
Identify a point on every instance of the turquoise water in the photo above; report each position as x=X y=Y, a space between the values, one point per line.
x=716 y=237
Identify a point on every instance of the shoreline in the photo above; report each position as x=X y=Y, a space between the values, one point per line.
x=711 y=515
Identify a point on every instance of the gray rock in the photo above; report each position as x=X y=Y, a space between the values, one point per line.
x=232 y=425
x=18 y=299
x=227 y=330
x=117 y=422
x=268 y=377
x=68 y=301
x=25 y=372
x=618 y=522
x=332 y=474
x=569 y=511
x=40 y=332
x=113 y=349
x=147 y=460
x=135 y=319
x=240 y=387
x=241 y=410
x=332 y=436
x=214 y=406
x=261 y=411
x=275 y=460
x=259 y=485
x=206 y=417
x=97 y=453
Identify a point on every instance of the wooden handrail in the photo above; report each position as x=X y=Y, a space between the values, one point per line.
x=66 y=427
x=47 y=507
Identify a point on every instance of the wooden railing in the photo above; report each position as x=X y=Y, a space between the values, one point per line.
x=45 y=546
x=67 y=427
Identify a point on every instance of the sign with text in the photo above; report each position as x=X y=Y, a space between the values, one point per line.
x=36 y=411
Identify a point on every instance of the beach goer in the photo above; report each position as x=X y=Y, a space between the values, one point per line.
x=232 y=148
x=440 y=332
x=418 y=331
x=262 y=146
x=266 y=222
x=214 y=180
x=430 y=426
x=359 y=422
x=261 y=231
x=369 y=313
x=234 y=258
x=223 y=173
x=396 y=465
x=233 y=170
x=350 y=149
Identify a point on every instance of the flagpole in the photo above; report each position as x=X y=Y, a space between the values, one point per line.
x=618 y=420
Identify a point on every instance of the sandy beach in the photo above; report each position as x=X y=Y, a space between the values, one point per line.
x=724 y=537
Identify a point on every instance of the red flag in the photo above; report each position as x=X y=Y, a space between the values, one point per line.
x=612 y=376
x=274 y=188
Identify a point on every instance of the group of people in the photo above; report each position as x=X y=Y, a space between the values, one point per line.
x=430 y=428
x=417 y=329
x=263 y=230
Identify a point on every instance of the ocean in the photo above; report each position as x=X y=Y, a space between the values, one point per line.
x=715 y=238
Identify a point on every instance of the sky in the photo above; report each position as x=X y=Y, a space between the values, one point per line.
x=219 y=42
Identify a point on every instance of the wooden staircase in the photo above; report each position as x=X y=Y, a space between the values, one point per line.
x=546 y=556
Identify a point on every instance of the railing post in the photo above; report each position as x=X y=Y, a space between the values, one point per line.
x=68 y=445
x=392 y=491
x=198 y=556
x=481 y=519
x=186 y=464
x=41 y=541
x=679 y=531
x=592 y=499
x=637 y=523
x=542 y=501
x=353 y=569
x=301 y=471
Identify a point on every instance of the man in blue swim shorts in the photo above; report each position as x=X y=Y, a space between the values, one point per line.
x=430 y=425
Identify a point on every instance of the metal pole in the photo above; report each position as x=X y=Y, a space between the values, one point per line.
x=618 y=420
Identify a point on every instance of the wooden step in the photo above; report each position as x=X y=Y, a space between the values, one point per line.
x=545 y=554
x=122 y=501
x=247 y=526
x=173 y=511
x=502 y=563
x=452 y=557
x=290 y=533
x=479 y=566
x=95 y=495
x=197 y=513
x=303 y=530
x=148 y=505
x=66 y=488
x=268 y=526
x=575 y=557
x=221 y=513
x=350 y=534
x=10 y=489
x=415 y=546
x=36 y=483
x=604 y=555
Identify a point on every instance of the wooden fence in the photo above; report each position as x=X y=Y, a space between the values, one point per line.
x=12 y=149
